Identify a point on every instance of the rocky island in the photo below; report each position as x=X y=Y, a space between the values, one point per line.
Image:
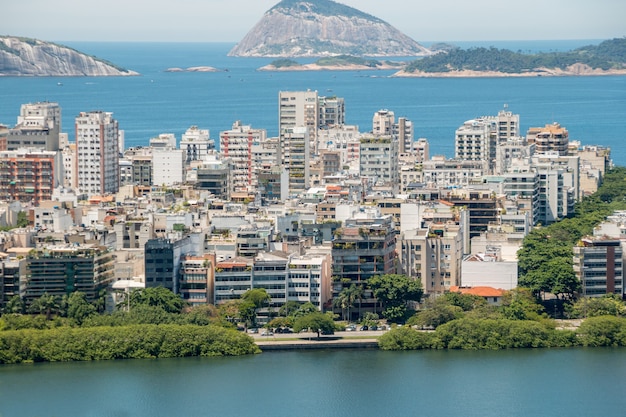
x=32 y=57
x=300 y=28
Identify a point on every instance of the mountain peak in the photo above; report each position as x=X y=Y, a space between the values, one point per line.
x=298 y=28
x=322 y=7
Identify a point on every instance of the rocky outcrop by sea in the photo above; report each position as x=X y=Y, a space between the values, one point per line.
x=297 y=28
x=36 y=58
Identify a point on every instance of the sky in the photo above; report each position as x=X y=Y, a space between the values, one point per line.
x=230 y=20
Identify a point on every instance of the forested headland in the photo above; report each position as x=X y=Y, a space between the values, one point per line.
x=608 y=55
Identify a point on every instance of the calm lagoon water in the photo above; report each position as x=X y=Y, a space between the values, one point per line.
x=524 y=383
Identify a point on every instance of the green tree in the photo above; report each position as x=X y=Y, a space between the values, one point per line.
x=607 y=305
x=603 y=331
x=22 y=219
x=15 y=305
x=346 y=298
x=229 y=311
x=436 y=315
x=520 y=304
x=78 y=308
x=252 y=301
x=289 y=308
x=466 y=302
x=202 y=315
x=157 y=297
x=46 y=304
x=317 y=322
x=394 y=291
x=247 y=313
x=306 y=308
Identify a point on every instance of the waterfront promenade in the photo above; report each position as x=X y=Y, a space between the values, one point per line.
x=339 y=340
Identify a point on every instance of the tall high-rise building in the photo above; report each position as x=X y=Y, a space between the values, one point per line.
x=363 y=248
x=4 y=134
x=332 y=112
x=379 y=160
x=299 y=109
x=97 y=153
x=507 y=125
x=549 y=139
x=476 y=141
x=29 y=175
x=598 y=264
x=403 y=131
x=239 y=144
x=384 y=124
x=296 y=158
x=38 y=126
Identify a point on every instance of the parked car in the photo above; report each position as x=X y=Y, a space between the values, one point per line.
x=351 y=328
x=267 y=333
x=363 y=328
x=253 y=331
x=374 y=327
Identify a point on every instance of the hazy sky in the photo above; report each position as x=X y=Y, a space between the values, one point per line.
x=229 y=20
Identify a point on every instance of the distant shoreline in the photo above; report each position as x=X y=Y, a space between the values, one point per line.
x=578 y=70
x=317 y=67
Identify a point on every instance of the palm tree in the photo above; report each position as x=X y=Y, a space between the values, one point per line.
x=15 y=305
x=347 y=297
x=47 y=304
x=359 y=292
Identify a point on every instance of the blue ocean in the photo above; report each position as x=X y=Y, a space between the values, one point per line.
x=593 y=109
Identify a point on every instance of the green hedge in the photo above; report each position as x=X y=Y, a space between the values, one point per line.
x=127 y=342
x=471 y=333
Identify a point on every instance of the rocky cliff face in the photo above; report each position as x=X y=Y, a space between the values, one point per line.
x=31 y=57
x=296 y=28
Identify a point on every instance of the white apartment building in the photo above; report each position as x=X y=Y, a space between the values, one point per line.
x=239 y=145
x=507 y=125
x=38 y=126
x=378 y=160
x=68 y=156
x=382 y=123
x=457 y=173
x=511 y=152
x=164 y=140
x=97 y=153
x=337 y=138
x=285 y=278
x=196 y=144
x=476 y=141
x=332 y=112
x=421 y=149
x=170 y=166
x=559 y=185
x=299 y=109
